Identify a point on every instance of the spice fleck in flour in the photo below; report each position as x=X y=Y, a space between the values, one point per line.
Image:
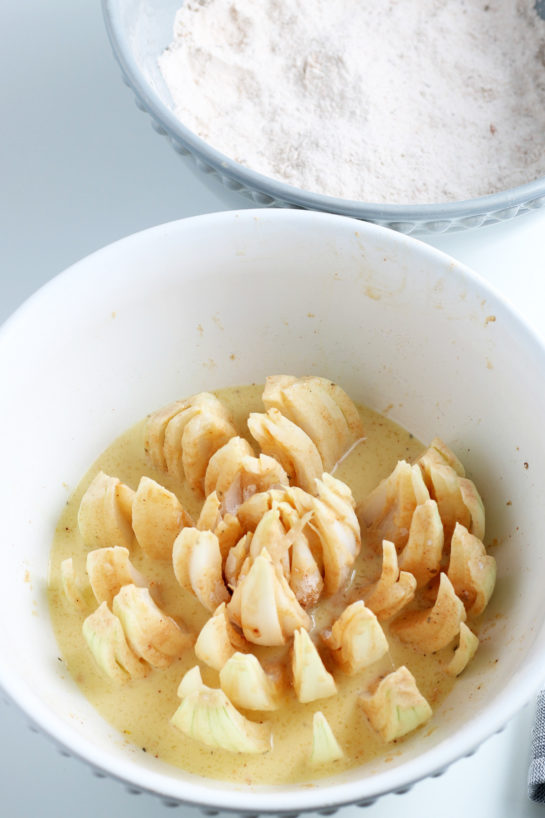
x=400 y=101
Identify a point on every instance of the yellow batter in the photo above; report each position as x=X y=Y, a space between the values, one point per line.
x=141 y=709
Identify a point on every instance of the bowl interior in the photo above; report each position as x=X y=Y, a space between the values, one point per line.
x=227 y=299
x=149 y=26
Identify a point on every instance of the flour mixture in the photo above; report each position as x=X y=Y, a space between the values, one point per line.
x=401 y=101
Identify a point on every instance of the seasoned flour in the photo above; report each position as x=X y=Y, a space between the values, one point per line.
x=390 y=101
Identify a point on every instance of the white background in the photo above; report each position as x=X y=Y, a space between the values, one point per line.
x=80 y=166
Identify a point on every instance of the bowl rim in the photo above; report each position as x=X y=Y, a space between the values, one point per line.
x=324 y=796
x=286 y=194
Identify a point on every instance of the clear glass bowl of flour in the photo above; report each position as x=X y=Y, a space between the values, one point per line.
x=141 y=30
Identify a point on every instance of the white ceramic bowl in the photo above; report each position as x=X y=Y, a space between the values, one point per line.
x=227 y=299
x=140 y=30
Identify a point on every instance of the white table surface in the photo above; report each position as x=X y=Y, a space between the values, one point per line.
x=80 y=167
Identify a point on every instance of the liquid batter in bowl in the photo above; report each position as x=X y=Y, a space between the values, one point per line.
x=142 y=708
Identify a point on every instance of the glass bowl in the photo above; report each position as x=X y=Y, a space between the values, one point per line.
x=139 y=30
